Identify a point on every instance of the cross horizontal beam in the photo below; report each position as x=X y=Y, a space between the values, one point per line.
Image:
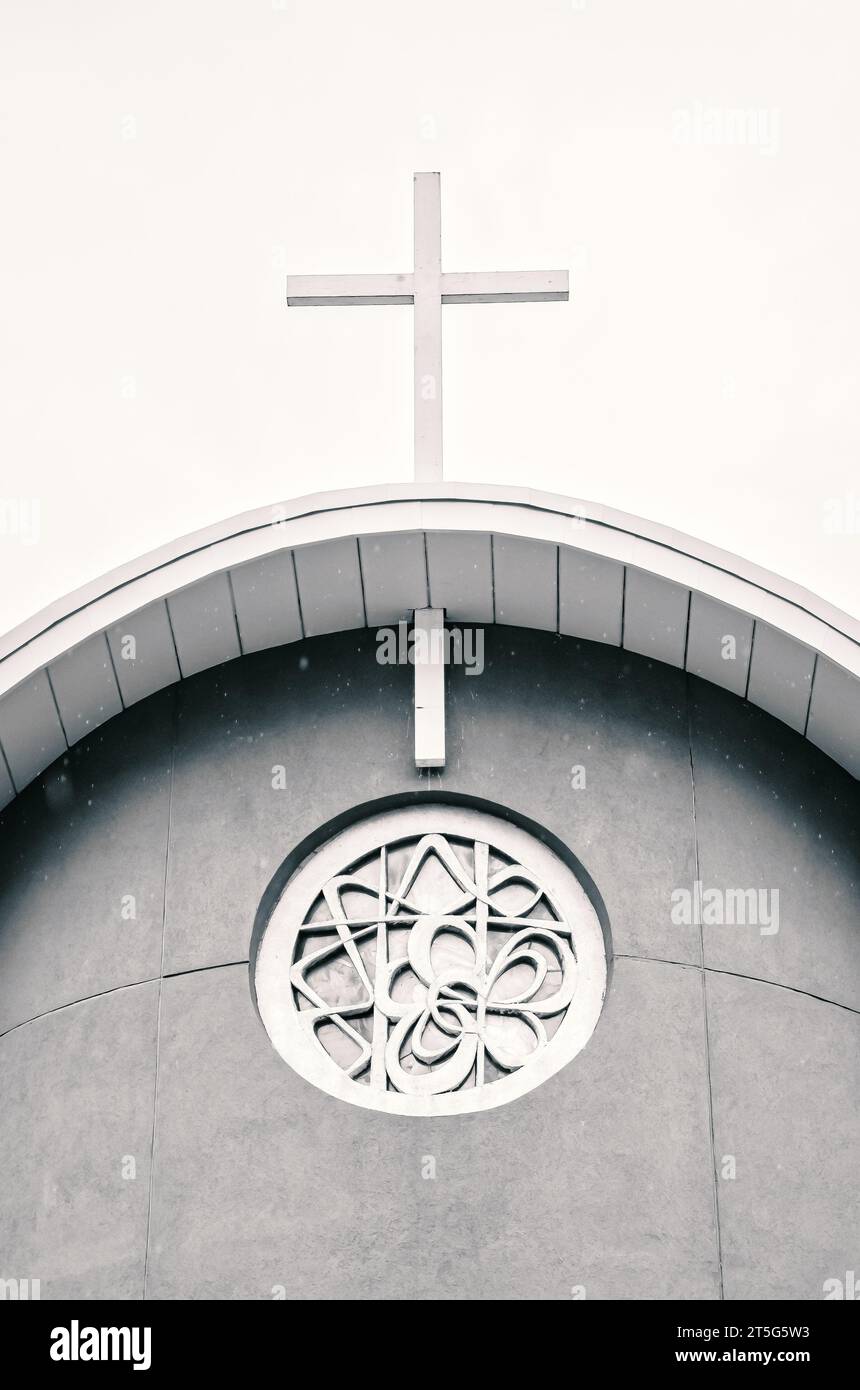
x=349 y=289
x=458 y=287
x=503 y=286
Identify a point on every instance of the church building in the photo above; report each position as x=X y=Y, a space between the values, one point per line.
x=430 y=891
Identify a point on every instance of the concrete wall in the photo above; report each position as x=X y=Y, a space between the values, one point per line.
x=133 y=1046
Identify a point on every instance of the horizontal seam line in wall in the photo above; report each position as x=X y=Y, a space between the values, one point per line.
x=134 y=984
x=738 y=975
x=618 y=955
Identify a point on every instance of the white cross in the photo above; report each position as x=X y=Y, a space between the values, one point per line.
x=428 y=287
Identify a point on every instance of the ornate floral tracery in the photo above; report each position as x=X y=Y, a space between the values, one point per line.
x=431 y=959
x=442 y=964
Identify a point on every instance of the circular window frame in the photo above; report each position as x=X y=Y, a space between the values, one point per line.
x=343 y=841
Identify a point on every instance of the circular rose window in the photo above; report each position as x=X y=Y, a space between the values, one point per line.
x=431 y=960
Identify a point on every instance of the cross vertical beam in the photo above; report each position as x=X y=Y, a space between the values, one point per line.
x=429 y=660
x=427 y=290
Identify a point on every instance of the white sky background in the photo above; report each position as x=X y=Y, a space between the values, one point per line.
x=163 y=165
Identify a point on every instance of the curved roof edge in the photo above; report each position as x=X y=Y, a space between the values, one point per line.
x=368 y=556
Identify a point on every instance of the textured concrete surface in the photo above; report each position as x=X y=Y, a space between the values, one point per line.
x=786 y=1076
x=76 y=1100
x=293 y=708
x=74 y=849
x=769 y=816
x=604 y=1176
x=548 y=705
x=600 y=1178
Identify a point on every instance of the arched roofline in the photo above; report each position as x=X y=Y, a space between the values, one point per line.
x=366 y=557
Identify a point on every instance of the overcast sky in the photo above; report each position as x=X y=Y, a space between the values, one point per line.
x=692 y=162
